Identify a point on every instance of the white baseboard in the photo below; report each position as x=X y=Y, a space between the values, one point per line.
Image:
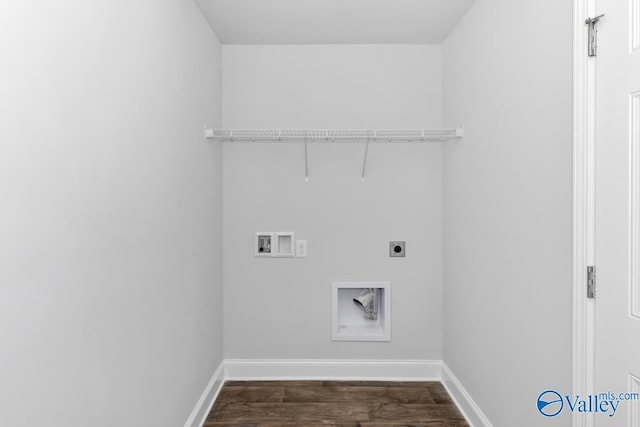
x=204 y=405
x=337 y=370
x=471 y=411
x=330 y=369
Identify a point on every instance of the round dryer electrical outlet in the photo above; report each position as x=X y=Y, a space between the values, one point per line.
x=397 y=249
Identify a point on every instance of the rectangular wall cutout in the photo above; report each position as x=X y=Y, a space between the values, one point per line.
x=634 y=205
x=361 y=311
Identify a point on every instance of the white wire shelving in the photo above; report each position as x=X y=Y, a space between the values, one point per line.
x=334 y=135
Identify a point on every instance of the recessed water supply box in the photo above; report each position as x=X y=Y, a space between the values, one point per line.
x=263 y=245
x=361 y=311
x=274 y=244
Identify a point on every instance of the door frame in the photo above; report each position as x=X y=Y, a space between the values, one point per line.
x=583 y=241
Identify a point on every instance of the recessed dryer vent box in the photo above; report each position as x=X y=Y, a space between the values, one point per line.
x=350 y=320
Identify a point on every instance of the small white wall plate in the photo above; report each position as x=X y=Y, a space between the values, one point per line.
x=301 y=248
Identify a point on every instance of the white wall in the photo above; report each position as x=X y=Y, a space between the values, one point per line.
x=110 y=264
x=280 y=308
x=507 y=206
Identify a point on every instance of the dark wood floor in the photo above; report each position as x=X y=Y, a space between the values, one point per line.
x=334 y=403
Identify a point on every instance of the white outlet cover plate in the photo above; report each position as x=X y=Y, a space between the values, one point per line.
x=301 y=248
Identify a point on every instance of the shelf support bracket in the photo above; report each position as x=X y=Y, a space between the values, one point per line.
x=306 y=163
x=364 y=161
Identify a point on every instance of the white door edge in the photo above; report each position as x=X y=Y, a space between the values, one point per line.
x=583 y=309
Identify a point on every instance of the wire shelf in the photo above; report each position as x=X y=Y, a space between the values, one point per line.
x=332 y=135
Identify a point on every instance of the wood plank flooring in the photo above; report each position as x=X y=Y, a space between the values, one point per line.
x=333 y=403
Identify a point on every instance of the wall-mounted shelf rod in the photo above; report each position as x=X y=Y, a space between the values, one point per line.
x=334 y=135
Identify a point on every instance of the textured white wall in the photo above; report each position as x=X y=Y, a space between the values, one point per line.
x=280 y=308
x=507 y=206
x=110 y=264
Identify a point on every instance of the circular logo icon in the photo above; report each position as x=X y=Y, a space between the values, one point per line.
x=550 y=403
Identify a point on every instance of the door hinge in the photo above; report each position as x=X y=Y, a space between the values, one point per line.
x=591 y=281
x=592 y=49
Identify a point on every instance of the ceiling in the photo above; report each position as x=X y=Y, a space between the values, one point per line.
x=332 y=21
